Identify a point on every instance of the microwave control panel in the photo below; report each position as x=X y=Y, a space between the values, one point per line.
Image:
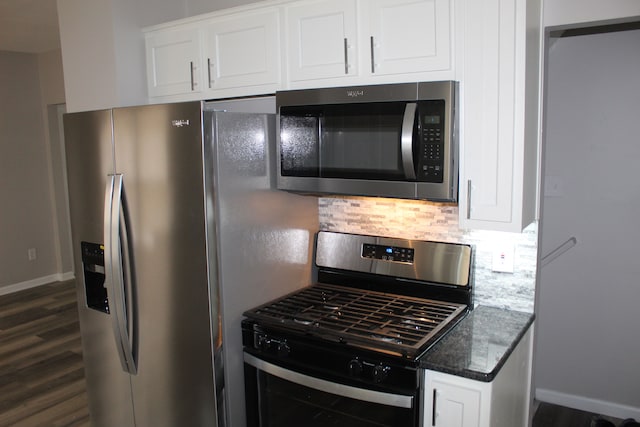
x=430 y=156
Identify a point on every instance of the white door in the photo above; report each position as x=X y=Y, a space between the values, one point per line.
x=451 y=405
x=243 y=51
x=173 y=61
x=500 y=97
x=322 y=40
x=409 y=36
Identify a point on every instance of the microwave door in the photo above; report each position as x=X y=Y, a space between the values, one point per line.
x=362 y=142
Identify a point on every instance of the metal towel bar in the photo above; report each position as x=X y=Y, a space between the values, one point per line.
x=571 y=242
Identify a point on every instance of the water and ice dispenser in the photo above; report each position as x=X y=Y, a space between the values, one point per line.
x=93 y=268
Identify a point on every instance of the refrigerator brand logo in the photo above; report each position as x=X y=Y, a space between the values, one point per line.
x=179 y=123
x=355 y=93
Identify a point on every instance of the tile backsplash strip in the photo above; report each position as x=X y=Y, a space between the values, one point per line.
x=421 y=220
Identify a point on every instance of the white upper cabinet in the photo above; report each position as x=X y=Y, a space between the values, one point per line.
x=247 y=51
x=174 y=61
x=321 y=40
x=342 y=42
x=500 y=103
x=224 y=54
x=409 y=36
x=243 y=52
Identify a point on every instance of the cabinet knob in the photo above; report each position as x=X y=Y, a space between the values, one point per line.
x=283 y=349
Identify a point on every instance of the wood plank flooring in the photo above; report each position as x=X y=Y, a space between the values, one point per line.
x=41 y=371
x=549 y=415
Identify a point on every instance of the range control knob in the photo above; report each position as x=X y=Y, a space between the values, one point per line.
x=355 y=368
x=380 y=373
x=262 y=342
x=283 y=349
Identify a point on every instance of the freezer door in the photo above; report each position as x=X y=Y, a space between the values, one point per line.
x=159 y=156
x=89 y=153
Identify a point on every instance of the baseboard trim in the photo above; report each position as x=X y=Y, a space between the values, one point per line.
x=587 y=404
x=59 y=277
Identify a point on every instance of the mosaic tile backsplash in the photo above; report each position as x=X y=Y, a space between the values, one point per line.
x=409 y=219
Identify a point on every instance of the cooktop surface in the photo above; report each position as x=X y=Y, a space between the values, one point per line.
x=378 y=321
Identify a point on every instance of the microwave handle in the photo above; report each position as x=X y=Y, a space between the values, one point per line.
x=406 y=140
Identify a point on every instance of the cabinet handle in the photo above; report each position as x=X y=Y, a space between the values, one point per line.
x=346 y=57
x=191 y=71
x=373 y=62
x=209 y=71
x=468 y=199
x=433 y=408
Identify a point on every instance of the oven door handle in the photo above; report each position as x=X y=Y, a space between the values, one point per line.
x=397 y=400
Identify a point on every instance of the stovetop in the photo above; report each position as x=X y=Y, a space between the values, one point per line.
x=396 y=324
x=388 y=295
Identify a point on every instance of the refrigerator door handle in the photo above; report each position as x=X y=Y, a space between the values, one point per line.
x=116 y=245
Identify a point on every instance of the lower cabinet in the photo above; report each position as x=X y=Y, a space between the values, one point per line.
x=454 y=401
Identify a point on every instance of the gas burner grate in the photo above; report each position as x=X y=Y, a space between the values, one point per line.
x=379 y=321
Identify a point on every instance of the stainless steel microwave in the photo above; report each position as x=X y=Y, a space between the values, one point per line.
x=397 y=140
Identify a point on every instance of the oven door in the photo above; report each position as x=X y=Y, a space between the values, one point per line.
x=281 y=397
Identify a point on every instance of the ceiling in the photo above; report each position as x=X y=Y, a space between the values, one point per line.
x=29 y=26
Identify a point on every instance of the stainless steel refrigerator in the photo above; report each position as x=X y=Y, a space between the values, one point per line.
x=177 y=229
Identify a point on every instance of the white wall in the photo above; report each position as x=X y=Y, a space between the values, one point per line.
x=26 y=215
x=103 y=46
x=103 y=49
x=588 y=334
x=197 y=7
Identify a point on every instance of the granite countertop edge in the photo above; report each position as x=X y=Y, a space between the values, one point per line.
x=459 y=350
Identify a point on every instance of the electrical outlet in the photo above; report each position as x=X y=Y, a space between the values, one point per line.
x=31 y=253
x=503 y=255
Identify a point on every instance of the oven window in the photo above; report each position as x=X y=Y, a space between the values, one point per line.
x=284 y=404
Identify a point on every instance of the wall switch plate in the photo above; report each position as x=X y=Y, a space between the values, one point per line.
x=32 y=254
x=503 y=255
x=553 y=186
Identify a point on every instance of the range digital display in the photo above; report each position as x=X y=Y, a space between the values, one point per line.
x=388 y=253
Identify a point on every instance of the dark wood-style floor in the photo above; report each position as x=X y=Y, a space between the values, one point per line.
x=41 y=371
x=548 y=415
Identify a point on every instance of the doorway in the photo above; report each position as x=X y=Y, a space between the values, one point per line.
x=588 y=332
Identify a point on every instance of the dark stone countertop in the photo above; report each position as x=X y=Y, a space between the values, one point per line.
x=479 y=345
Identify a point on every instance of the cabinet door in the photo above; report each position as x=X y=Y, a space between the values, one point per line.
x=451 y=403
x=243 y=51
x=498 y=175
x=321 y=39
x=173 y=61
x=409 y=36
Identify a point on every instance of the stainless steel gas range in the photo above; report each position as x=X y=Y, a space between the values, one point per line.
x=345 y=351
